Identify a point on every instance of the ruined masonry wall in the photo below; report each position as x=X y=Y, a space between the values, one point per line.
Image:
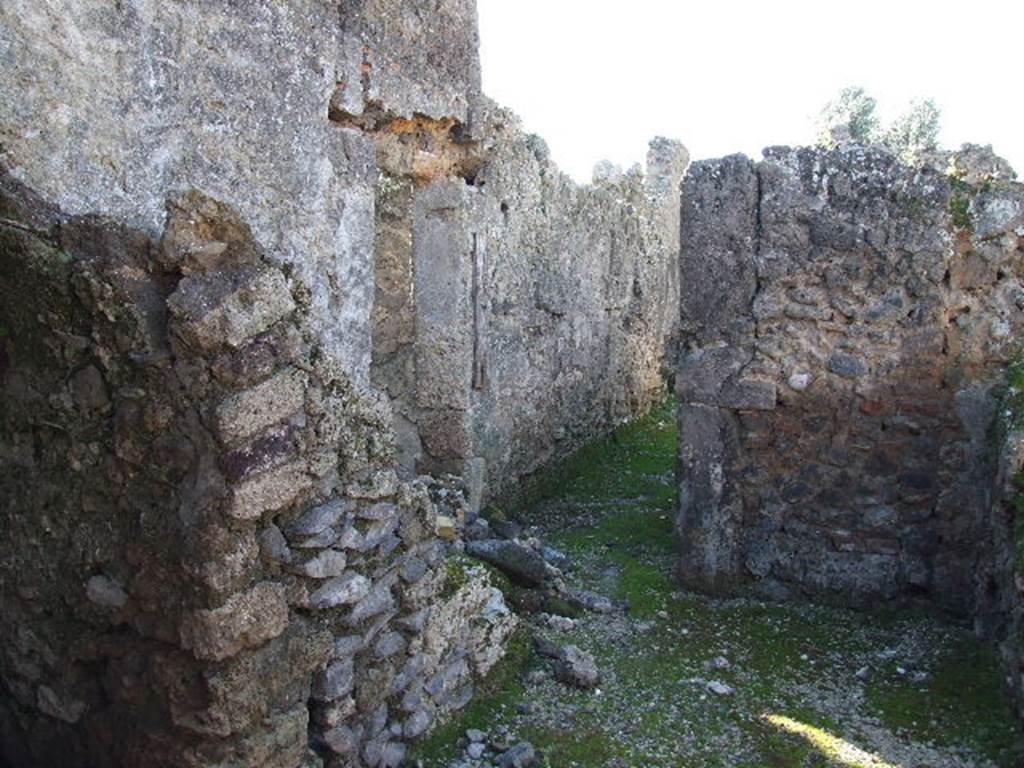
x=519 y=314
x=846 y=321
x=1000 y=614
x=209 y=559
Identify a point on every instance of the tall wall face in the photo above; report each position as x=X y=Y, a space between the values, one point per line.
x=845 y=320
x=522 y=314
x=1000 y=614
x=208 y=557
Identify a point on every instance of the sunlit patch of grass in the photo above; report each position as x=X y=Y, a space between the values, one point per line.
x=831 y=746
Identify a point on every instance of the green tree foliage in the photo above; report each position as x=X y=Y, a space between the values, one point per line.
x=914 y=132
x=850 y=116
x=851 y=112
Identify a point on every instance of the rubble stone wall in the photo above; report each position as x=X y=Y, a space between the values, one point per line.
x=208 y=557
x=846 y=321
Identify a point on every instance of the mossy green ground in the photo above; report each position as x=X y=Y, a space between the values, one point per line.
x=932 y=694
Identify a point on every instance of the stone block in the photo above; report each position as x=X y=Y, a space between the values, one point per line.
x=269 y=491
x=343 y=590
x=319 y=518
x=704 y=372
x=847 y=365
x=105 y=592
x=245 y=414
x=325 y=565
x=335 y=681
x=378 y=600
x=229 y=307
x=246 y=620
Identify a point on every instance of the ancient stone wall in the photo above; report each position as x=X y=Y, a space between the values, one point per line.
x=846 y=320
x=1000 y=611
x=261 y=264
x=520 y=314
x=209 y=559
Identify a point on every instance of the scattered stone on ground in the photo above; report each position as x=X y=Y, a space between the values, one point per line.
x=522 y=755
x=521 y=563
x=577 y=668
x=720 y=689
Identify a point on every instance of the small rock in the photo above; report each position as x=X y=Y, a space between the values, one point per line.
x=319 y=518
x=393 y=754
x=344 y=590
x=720 y=689
x=847 y=365
x=799 y=381
x=719 y=662
x=521 y=563
x=524 y=708
x=445 y=528
x=414 y=569
x=507 y=529
x=546 y=648
x=389 y=645
x=561 y=623
x=334 y=681
x=273 y=546
x=556 y=558
x=522 y=755
x=476 y=750
x=327 y=564
x=863 y=673
x=105 y=592
x=478 y=530
x=577 y=668
x=591 y=601
x=475 y=735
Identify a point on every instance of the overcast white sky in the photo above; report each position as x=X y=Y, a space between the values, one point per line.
x=599 y=79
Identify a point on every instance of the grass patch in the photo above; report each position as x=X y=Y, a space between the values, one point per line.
x=618 y=467
x=1013 y=398
x=960 y=203
x=456 y=573
x=962 y=702
x=576 y=747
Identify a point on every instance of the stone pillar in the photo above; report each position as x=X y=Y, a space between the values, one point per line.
x=443 y=256
x=718 y=224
